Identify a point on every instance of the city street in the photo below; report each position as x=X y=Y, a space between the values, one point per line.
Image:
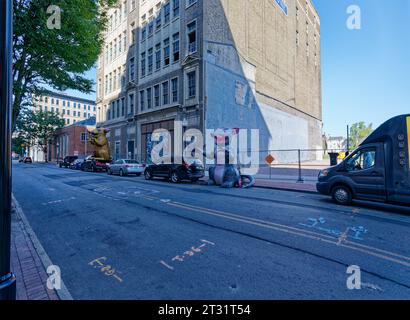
x=127 y=238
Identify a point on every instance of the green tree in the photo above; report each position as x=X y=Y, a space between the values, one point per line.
x=39 y=128
x=54 y=43
x=19 y=144
x=358 y=132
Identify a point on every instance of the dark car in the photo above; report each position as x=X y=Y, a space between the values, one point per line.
x=76 y=165
x=192 y=170
x=94 y=164
x=67 y=161
x=26 y=160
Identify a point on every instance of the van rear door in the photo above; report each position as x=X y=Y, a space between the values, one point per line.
x=401 y=173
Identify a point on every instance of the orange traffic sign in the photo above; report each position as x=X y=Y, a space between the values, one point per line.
x=269 y=159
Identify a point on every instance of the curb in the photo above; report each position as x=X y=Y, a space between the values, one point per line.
x=287 y=189
x=62 y=293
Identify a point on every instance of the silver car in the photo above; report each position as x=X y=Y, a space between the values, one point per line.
x=124 y=167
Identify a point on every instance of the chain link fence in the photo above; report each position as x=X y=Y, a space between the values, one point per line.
x=301 y=165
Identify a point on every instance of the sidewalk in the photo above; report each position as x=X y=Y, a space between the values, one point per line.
x=291 y=185
x=26 y=263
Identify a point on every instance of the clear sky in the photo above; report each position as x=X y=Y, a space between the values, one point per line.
x=366 y=72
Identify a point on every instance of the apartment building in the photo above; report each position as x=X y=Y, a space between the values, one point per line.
x=251 y=64
x=71 y=109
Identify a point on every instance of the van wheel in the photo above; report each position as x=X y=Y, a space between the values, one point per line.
x=342 y=195
x=174 y=177
x=121 y=173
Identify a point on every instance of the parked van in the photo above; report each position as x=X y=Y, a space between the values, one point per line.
x=378 y=170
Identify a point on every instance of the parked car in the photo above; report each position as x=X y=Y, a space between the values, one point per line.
x=194 y=170
x=67 y=161
x=94 y=164
x=124 y=167
x=26 y=160
x=76 y=165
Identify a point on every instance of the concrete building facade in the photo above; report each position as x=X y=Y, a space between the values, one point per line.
x=71 y=109
x=251 y=64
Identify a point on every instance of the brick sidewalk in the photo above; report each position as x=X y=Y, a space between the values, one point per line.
x=26 y=264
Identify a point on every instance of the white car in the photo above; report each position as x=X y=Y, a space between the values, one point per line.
x=124 y=167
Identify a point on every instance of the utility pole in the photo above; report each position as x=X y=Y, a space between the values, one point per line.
x=348 y=138
x=7 y=278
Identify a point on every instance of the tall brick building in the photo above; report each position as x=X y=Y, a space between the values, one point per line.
x=211 y=64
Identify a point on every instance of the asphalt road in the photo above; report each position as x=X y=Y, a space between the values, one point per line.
x=157 y=240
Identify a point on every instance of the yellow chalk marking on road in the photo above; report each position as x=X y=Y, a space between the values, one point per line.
x=166 y=265
x=343 y=236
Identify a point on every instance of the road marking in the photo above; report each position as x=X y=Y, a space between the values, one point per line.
x=166 y=265
x=108 y=270
x=379 y=253
x=58 y=201
x=193 y=250
x=343 y=236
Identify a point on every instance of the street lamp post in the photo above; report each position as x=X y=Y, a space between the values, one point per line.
x=7 y=278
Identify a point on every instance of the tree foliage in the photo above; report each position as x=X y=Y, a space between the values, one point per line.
x=358 y=132
x=55 y=57
x=38 y=128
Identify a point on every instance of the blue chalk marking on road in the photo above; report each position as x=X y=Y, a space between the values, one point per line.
x=356 y=232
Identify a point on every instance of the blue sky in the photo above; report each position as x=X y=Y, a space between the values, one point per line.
x=366 y=72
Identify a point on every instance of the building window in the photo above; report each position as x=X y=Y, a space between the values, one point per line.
x=143 y=64
x=175 y=8
x=175 y=47
x=166 y=52
x=191 y=84
x=190 y=2
x=131 y=104
x=149 y=98
x=132 y=68
x=150 y=28
x=142 y=100
x=144 y=33
x=150 y=60
x=124 y=35
x=174 y=88
x=122 y=107
x=165 y=93
x=167 y=12
x=192 y=38
x=132 y=33
x=158 y=56
x=158 y=21
x=157 y=100
x=114 y=84
x=118 y=109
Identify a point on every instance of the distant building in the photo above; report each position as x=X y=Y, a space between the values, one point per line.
x=71 y=140
x=211 y=64
x=71 y=109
